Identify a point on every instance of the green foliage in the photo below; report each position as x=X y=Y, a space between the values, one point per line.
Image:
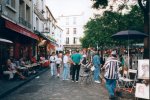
x=100 y=30
x=100 y=3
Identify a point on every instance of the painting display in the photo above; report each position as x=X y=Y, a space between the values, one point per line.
x=143 y=69
x=142 y=91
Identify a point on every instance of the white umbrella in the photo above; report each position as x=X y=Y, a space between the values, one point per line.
x=5 y=40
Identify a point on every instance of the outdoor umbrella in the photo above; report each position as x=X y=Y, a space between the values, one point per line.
x=129 y=34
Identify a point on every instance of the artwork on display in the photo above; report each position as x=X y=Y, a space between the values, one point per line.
x=143 y=69
x=142 y=91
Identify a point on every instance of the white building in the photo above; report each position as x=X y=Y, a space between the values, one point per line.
x=45 y=24
x=72 y=26
x=59 y=38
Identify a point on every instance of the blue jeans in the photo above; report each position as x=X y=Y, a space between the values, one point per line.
x=53 y=69
x=96 y=72
x=111 y=85
x=65 y=71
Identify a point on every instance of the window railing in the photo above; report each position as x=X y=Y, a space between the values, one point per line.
x=24 y=22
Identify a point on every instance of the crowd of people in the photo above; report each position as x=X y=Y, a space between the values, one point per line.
x=73 y=64
x=70 y=65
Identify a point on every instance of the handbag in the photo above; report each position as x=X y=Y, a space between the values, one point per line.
x=92 y=68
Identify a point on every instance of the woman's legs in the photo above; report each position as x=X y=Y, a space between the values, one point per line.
x=96 y=73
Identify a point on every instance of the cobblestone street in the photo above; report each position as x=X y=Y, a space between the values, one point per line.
x=46 y=88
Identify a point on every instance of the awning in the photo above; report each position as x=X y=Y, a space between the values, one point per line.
x=5 y=40
x=20 y=30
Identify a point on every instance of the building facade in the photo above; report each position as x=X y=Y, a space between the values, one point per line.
x=16 y=26
x=23 y=29
x=72 y=26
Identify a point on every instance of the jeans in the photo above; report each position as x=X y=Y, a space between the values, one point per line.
x=75 y=72
x=111 y=85
x=65 y=71
x=96 y=72
x=53 y=69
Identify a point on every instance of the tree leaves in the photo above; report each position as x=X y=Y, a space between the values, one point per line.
x=100 y=29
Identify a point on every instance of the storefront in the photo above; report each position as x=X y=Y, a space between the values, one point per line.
x=6 y=50
x=24 y=42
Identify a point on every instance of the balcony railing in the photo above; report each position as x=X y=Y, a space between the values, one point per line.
x=24 y=22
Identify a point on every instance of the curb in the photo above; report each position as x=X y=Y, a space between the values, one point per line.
x=21 y=84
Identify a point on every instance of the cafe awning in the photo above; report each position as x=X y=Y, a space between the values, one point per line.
x=21 y=30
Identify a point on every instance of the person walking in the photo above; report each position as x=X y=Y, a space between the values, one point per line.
x=96 y=63
x=76 y=59
x=66 y=62
x=58 y=64
x=53 y=64
x=111 y=68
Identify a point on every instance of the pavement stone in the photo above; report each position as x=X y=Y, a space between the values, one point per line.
x=8 y=86
x=46 y=87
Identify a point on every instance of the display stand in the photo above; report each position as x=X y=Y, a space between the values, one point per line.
x=142 y=89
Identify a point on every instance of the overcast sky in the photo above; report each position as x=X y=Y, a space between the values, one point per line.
x=69 y=7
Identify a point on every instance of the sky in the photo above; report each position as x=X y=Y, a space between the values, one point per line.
x=67 y=7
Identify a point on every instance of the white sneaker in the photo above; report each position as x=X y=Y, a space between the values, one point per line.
x=97 y=82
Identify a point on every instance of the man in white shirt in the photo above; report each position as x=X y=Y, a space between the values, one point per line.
x=66 y=66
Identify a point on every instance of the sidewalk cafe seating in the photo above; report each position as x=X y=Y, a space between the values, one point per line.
x=127 y=80
x=44 y=63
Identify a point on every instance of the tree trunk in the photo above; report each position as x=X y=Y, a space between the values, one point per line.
x=146 y=40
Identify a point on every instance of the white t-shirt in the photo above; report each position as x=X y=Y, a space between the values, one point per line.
x=65 y=59
x=52 y=59
x=58 y=61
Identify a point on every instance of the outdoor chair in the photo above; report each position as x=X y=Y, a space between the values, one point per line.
x=127 y=80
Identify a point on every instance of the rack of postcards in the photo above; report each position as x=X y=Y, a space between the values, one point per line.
x=142 y=89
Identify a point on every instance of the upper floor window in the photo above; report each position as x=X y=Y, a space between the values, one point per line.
x=67 y=21
x=67 y=40
x=74 y=20
x=75 y=40
x=74 y=30
x=67 y=30
x=11 y=3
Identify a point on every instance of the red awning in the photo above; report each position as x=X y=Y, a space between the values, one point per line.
x=20 y=29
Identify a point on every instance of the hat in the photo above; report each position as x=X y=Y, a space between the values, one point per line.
x=113 y=52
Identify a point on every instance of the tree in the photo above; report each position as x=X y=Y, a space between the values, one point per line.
x=99 y=30
x=144 y=5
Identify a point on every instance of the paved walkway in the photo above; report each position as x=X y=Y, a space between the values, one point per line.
x=7 y=86
x=45 y=87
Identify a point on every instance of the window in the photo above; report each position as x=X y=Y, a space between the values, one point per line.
x=67 y=40
x=67 y=30
x=11 y=3
x=74 y=20
x=75 y=40
x=67 y=21
x=74 y=30
x=37 y=24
